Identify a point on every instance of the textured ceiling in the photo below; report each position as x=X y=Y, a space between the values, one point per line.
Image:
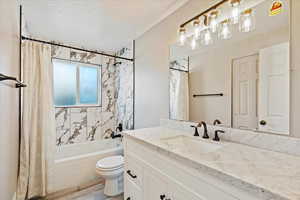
x=95 y=24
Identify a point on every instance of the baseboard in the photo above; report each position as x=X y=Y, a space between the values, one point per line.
x=64 y=192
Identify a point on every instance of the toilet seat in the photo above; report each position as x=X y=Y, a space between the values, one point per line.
x=110 y=163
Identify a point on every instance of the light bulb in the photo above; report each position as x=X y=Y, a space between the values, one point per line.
x=193 y=43
x=247 y=23
x=213 y=25
x=213 y=21
x=235 y=13
x=182 y=36
x=224 y=31
x=206 y=37
x=196 y=25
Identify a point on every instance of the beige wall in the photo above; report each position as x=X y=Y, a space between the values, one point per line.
x=152 y=48
x=8 y=99
x=152 y=58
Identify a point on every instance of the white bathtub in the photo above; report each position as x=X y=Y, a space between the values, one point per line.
x=74 y=165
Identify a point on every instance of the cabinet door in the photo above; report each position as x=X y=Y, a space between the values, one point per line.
x=179 y=192
x=155 y=185
x=131 y=190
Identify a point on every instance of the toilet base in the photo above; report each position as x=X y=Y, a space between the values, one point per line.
x=114 y=186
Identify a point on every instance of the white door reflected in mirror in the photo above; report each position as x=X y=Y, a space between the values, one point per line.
x=274 y=89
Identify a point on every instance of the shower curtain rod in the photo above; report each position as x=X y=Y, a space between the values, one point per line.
x=76 y=48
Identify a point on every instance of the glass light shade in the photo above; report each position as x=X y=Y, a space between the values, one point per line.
x=225 y=30
x=193 y=43
x=196 y=25
x=213 y=21
x=213 y=25
x=247 y=23
x=235 y=12
x=182 y=36
x=206 y=37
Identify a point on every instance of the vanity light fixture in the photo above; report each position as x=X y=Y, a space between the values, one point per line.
x=212 y=16
x=247 y=23
x=182 y=36
x=224 y=31
x=196 y=25
x=235 y=13
x=213 y=20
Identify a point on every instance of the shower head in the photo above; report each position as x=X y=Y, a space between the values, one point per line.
x=117 y=63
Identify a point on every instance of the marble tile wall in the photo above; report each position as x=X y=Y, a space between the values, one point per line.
x=180 y=63
x=124 y=85
x=85 y=124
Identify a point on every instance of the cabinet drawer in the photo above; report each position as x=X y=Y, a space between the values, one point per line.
x=131 y=190
x=134 y=170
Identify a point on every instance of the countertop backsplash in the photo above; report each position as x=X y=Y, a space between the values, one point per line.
x=278 y=143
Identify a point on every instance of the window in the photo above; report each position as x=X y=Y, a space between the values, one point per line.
x=76 y=84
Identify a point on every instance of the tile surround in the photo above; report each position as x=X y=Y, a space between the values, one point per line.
x=80 y=125
x=124 y=86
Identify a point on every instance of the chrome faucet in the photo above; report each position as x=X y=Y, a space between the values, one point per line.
x=205 y=135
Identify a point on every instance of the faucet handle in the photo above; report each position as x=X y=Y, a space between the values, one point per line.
x=217 y=138
x=217 y=122
x=196 y=130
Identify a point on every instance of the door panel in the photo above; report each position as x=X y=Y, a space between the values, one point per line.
x=179 y=192
x=131 y=190
x=155 y=185
x=245 y=92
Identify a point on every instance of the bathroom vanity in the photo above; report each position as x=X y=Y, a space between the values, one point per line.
x=170 y=164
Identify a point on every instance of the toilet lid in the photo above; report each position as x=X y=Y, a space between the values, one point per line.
x=110 y=162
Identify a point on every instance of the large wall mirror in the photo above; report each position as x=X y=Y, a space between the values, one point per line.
x=240 y=78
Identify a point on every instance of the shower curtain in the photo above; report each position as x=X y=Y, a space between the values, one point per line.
x=38 y=120
x=179 y=95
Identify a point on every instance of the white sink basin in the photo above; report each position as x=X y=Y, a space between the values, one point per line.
x=185 y=144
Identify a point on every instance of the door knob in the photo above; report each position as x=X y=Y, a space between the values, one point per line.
x=163 y=197
x=263 y=122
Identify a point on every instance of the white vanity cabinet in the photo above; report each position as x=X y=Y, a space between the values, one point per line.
x=154 y=185
x=153 y=175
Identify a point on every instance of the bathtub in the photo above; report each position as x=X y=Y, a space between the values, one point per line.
x=74 y=165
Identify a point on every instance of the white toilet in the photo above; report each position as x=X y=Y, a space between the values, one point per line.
x=111 y=169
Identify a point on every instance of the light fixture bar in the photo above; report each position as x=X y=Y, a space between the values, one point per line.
x=214 y=7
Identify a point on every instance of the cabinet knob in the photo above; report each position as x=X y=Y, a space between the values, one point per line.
x=163 y=197
x=131 y=175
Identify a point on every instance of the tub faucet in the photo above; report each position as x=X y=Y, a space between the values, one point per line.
x=116 y=134
x=120 y=128
x=205 y=135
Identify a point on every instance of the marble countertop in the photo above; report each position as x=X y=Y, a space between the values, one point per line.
x=275 y=175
